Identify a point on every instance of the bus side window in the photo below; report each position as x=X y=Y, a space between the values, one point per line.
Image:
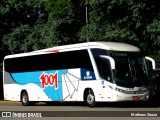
x=105 y=70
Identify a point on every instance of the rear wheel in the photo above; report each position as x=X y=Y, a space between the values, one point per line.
x=90 y=98
x=25 y=99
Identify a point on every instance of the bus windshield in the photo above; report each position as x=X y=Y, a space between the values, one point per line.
x=130 y=69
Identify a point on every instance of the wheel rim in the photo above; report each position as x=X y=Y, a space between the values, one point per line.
x=90 y=98
x=25 y=98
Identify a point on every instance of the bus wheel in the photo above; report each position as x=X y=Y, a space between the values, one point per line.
x=90 y=98
x=25 y=98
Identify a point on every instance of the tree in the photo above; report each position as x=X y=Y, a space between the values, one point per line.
x=131 y=21
x=39 y=28
x=20 y=19
x=36 y=24
x=71 y=13
x=108 y=19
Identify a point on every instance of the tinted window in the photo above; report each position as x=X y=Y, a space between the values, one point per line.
x=97 y=52
x=52 y=61
x=104 y=69
x=130 y=69
x=103 y=65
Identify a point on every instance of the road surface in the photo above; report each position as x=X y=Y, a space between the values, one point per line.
x=79 y=111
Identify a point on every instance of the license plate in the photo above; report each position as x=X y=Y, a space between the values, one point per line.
x=135 y=97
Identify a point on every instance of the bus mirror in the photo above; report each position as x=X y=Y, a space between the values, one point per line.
x=151 y=65
x=112 y=62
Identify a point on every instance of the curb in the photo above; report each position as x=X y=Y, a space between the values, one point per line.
x=4 y=101
x=15 y=102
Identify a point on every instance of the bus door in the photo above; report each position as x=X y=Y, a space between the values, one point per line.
x=105 y=71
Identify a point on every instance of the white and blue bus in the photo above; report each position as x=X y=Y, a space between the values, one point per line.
x=90 y=72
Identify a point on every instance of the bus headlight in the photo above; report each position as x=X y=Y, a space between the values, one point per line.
x=117 y=89
x=138 y=91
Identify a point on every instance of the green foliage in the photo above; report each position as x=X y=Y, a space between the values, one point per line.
x=153 y=30
x=59 y=7
x=27 y=38
x=16 y=39
x=27 y=25
x=20 y=19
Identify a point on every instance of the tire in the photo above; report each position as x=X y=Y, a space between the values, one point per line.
x=25 y=99
x=90 y=98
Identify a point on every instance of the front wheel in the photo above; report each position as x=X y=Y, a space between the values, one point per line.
x=90 y=98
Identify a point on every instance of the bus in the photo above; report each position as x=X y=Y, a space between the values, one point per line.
x=91 y=72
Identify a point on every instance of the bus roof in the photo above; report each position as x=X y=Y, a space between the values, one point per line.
x=113 y=46
x=117 y=46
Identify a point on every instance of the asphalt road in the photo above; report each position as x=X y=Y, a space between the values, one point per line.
x=79 y=111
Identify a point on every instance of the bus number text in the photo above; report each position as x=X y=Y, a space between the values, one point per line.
x=49 y=79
